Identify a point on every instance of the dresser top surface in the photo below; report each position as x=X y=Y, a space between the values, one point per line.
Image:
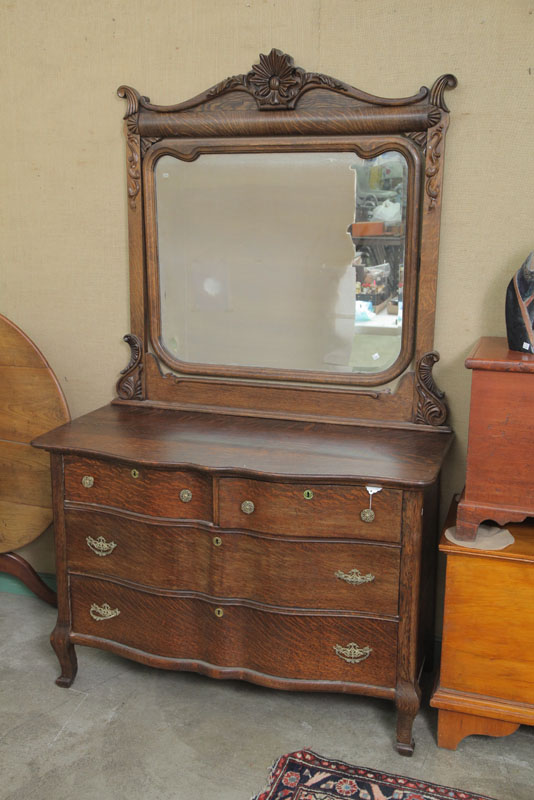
x=247 y=445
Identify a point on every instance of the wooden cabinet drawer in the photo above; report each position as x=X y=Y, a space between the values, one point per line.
x=144 y=490
x=333 y=510
x=488 y=626
x=308 y=646
x=297 y=574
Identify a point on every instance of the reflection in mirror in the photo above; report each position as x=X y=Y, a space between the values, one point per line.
x=282 y=260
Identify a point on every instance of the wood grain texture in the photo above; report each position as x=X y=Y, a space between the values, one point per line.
x=492 y=353
x=453 y=726
x=317 y=113
x=13 y=564
x=270 y=570
x=154 y=492
x=31 y=402
x=487 y=630
x=247 y=446
x=242 y=636
x=332 y=511
x=60 y=636
x=498 y=485
x=479 y=705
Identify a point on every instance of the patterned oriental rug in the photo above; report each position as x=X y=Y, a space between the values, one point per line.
x=307 y=776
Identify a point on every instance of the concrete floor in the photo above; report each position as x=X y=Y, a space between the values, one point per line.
x=128 y=731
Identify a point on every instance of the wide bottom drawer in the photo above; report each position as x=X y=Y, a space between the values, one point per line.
x=298 y=646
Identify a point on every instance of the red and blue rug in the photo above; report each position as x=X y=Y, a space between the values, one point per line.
x=306 y=776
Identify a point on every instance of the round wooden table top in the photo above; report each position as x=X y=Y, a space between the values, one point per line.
x=31 y=403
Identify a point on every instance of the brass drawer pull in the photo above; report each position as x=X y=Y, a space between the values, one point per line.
x=100 y=546
x=354 y=577
x=368 y=515
x=247 y=507
x=217 y=541
x=186 y=495
x=135 y=473
x=88 y=481
x=219 y=612
x=103 y=612
x=353 y=653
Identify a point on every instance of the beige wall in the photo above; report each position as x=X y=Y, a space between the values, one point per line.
x=63 y=275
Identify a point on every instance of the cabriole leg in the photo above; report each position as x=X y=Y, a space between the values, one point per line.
x=66 y=654
x=408 y=702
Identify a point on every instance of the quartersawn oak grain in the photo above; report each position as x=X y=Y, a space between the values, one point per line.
x=240 y=445
x=244 y=635
x=273 y=570
x=284 y=606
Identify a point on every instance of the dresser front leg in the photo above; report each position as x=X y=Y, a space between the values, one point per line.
x=66 y=654
x=408 y=701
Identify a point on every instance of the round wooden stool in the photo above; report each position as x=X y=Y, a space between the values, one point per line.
x=31 y=403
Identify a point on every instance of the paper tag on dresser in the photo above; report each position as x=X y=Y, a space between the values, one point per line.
x=368 y=515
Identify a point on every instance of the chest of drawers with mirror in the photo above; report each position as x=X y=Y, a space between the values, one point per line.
x=260 y=500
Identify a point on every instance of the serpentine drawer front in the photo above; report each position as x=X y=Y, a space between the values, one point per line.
x=308 y=646
x=304 y=574
x=315 y=510
x=143 y=490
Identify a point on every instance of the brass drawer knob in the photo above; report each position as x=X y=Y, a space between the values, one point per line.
x=353 y=653
x=103 y=612
x=88 y=481
x=219 y=612
x=99 y=546
x=354 y=577
x=186 y=495
x=135 y=473
x=217 y=541
x=247 y=506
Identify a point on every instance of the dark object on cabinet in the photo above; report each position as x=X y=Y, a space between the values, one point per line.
x=498 y=483
x=485 y=684
x=263 y=522
x=519 y=308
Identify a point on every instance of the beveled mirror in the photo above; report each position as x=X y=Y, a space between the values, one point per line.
x=284 y=229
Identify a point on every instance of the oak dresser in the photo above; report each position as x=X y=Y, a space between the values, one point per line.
x=260 y=499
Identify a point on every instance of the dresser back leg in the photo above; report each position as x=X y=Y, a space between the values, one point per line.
x=66 y=654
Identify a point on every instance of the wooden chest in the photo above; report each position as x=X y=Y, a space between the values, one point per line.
x=499 y=483
x=487 y=662
x=246 y=548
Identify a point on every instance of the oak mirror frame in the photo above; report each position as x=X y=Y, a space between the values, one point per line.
x=364 y=147
x=279 y=108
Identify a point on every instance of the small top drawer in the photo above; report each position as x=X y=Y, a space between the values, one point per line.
x=316 y=510
x=144 y=490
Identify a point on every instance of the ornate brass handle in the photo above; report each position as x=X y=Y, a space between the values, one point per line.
x=100 y=546
x=88 y=481
x=103 y=612
x=186 y=495
x=353 y=653
x=247 y=507
x=354 y=577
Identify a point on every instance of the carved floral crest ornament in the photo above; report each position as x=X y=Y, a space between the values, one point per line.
x=276 y=82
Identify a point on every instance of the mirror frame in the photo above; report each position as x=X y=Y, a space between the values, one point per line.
x=366 y=147
x=274 y=106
